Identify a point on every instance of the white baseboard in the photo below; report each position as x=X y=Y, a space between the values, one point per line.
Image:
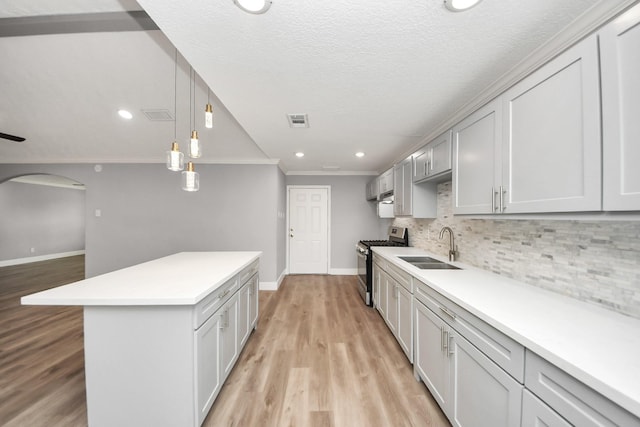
x=27 y=260
x=343 y=271
x=272 y=286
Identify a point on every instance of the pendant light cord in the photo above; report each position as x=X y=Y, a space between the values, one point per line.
x=190 y=97
x=175 y=97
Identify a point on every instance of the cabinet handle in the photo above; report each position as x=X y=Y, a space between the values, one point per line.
x=221 y=327
x=448 y=312
x=224 y=294
x=450 y=347
x=493 y=199
x=503 y=203
x=445 y=339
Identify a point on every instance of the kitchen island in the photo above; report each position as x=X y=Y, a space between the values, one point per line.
x=161 y=337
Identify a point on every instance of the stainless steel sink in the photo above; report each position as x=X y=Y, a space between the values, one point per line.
x=428 y=263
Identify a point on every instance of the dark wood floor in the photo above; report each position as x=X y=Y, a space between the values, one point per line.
x=318 y=358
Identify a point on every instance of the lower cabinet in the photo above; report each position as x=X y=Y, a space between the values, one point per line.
x=470 y=388
x=536 y=413
x=395 y=302
x=207 y=342
x=219 y=341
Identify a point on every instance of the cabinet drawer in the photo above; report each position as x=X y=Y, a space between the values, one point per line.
x=573 y=400
x=400 y=276
x=536 y=413
x=504 y=351
x=212 y=302
x=249 y=271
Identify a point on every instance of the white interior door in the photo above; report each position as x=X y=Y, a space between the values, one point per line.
x=308 y=230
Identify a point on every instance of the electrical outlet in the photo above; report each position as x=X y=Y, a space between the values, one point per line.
x=32 y=250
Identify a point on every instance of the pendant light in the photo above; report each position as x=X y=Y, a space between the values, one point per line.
x=190 y=178
x=194 y=145
x=175 y=158
x=208 y=112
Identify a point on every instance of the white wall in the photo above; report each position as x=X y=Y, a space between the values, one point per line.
x=48 y=219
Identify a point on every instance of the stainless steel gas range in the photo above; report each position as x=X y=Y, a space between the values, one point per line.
x=398 y=236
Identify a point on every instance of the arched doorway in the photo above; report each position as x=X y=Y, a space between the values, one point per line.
x=42 y=217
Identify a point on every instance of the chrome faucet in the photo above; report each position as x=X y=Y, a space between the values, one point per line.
x=452 y=245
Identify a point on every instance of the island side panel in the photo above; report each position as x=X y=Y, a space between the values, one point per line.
x=139 y=364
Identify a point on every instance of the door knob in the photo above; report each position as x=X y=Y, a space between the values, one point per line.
x=290 y=235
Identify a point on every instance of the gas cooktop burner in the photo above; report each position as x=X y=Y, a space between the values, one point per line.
x=381 y=243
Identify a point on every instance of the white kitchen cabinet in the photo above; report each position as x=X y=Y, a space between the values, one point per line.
x=372 y=190
x=385 y=182
x=476 y=148
x=535 y=413
x=469 y=387
x=431 y=362
x=254 y=287
x=416 y=200
x=551 y=137
x=620 y=68
x=535 y=148
x=392 y=303
x=574 y=401
x=433 y=160
x=402 y=181
x=243 y=314
x=380 y=290
x=207 y=350
x=229 y=338
x=404 y=330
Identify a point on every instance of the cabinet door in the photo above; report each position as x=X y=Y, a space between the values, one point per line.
x=551 y=141
x=535 y=413
x=422 y=165
x=208 y=379
x=254 y=287
x=482 y=394
x=229 y=335
x=476 y=151
x=243 y=314
x=382 y=293
x=403 y=181
x=431 y=361
x=404 y=332
x=392 y=304
x=440 y=149
x=620 y=65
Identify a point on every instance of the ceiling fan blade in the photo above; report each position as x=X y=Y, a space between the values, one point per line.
x=11 y=137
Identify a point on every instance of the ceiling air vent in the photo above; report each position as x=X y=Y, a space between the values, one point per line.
x=298 y=120
x=158 y=115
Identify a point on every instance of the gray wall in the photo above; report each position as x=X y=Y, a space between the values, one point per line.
x=353 y=218
x=281 y=263
x=145 y=214
x=48 y=219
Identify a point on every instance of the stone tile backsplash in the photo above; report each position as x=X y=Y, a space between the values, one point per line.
x=593 y=261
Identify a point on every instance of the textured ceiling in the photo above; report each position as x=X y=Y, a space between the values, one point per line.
x=376 y=77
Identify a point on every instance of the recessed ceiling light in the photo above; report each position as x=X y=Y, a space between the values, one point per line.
x=253 y=6
x=460 y=5
x=299 y=154
x=125 y=114
x=359 y=154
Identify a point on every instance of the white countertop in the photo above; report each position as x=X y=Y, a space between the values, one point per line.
x=599 y=347
x=181 y=279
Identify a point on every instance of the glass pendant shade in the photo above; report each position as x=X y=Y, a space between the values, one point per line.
x=208 y=116
x=190 y=179
x=175 y=158
x=194 y=145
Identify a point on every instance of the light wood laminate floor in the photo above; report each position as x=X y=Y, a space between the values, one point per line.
x=318 y=358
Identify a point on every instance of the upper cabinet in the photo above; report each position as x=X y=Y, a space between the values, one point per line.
x=476 y=145
x=385 y=182
x=434 y=160
x=535 y=148
x=373 y=189
x=620 y=68
x=416 y=200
